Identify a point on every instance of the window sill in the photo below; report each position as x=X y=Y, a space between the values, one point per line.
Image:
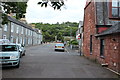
x=91 y=53
x=103 y=57
x=113 y=18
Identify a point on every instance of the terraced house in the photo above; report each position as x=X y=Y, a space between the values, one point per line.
x=19 y=32
x=101 y=32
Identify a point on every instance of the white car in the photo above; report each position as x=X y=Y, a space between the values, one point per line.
x=9 y=55
x=59 y=46
x=21 y=49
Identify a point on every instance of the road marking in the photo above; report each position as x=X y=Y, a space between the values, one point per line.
x=67 y=50
x=114 y=71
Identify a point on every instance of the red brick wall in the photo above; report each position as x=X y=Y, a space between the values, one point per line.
x=111 y=51
x=112 y=42
x=112 y=54
x=89 y=28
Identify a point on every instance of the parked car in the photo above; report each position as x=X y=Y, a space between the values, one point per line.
x=59 y=46
x=4 y=41
x=9 y=55
x=21 y=49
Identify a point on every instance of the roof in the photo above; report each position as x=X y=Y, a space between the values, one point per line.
x=19 y=23
x=112 y=30
x=87 y=3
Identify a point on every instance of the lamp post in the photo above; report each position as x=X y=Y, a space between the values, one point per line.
x=70 y=33
x=70 y=36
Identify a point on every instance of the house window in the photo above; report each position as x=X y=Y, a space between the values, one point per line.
x=16 y=40
x=17 y=30
x=5 y=27
x=21 y=40
x=4 y=37
x=22 y=31
x=31 y=33
x=12 y=27
x=102 y=45
x=26 y=31
x=90 y=44
x=11 y=39
x=115 y=9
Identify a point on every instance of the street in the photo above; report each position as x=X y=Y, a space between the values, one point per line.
x=43 y=62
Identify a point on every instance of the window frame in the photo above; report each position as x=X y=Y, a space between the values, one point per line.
x=110 y=10
x=12 y=27
x=21 y=30
x=12 y=40
x=91 y=49
x=26 y=31
x=17 y=29
x=5 y=27
x=102 y=47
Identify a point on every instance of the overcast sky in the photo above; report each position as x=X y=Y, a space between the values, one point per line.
x=73 y=11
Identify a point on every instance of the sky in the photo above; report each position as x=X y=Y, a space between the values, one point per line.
x=73 y=11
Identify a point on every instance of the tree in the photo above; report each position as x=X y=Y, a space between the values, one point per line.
x=56 y=4
x=59 y=30
x=19 y=8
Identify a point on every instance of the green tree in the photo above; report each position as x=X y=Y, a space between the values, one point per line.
x=59 y=30
x=20 y=7
x=13 y=7
x=56 y=4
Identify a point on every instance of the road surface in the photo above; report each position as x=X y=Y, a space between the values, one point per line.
x=43 y=62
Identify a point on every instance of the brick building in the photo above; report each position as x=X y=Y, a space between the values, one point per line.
x=101 y=30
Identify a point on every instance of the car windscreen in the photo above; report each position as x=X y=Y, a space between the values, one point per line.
x=8 y=48
x=59 y=44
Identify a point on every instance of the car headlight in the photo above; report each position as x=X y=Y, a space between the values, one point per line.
x=13 y=57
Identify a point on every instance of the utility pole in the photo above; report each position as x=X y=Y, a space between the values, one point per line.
x=70 y=32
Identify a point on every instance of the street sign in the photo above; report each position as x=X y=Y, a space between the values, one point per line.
x=78 y=36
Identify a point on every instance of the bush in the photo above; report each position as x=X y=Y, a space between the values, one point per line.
x=74 y=42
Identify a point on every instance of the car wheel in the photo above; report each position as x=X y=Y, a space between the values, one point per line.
x=23 y=54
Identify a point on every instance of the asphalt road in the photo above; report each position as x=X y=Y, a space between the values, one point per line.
x=43 y=62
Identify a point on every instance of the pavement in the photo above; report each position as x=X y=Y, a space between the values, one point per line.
x=43 y=62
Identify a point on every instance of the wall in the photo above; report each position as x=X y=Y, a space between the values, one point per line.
x=89 y=29
x=6 y=33
x=112 y=51
x=26 y=38
x=112 y=42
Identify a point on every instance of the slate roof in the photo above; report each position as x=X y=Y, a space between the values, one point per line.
x=20 y=23
x=112 y=30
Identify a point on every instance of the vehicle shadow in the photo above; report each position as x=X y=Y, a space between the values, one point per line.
x=7 y=68
x=59 y=50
